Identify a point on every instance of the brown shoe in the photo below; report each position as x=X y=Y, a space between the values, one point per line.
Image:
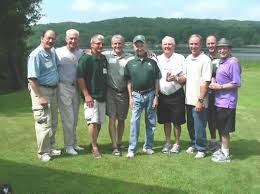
x=96 y=154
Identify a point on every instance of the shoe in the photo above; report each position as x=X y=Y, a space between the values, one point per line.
x=148 y=151
x=220 y=157
x=175 y=148
x=216 y=153
x=213 y=146
x=116 y=152
x=190 y=150
x=200 y=155
x=78 y=148
x=96 y=154
x=44 y=157
x=70 y=150
x=166 y=148
x=55 y=152
x=130 y=154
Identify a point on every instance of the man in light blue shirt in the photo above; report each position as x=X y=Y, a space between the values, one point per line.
x=43 y=79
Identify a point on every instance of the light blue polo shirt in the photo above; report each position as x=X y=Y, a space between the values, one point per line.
x=42 y=65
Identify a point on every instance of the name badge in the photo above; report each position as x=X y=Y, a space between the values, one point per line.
x=112 y=60
x=104 y=71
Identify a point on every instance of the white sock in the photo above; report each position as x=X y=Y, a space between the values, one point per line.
x=225 y=151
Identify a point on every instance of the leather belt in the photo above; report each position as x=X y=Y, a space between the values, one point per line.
x=47 y=86
x=142 y=92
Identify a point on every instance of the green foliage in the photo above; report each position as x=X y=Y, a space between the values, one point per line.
x=240 y=32
x=158 y=173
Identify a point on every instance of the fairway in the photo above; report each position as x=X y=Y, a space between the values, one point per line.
x=158 y=173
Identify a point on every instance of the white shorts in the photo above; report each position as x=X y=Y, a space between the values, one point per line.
x=96 y=114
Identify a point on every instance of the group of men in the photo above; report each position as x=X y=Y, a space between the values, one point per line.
x=112 y=81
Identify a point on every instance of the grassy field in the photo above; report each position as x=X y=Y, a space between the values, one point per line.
x=158 y=173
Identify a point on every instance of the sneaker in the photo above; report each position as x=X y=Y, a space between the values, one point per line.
x=44 y=157
x=70 y=150
x=216 y=153
x=148 y=151
x=190 y=150
x=130 y=154
x=200 y=155
x=220 y=157
x=78 y=148
x=213 y=146
x=116 y=152
x=55 y=152
x=175 y=148
x=166 y=148
x=96 y=154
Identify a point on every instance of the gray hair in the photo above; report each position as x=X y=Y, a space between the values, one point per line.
x=195 y=35
x=72 y=31
x=97 y=37
x=169 y=38
x=118 y=36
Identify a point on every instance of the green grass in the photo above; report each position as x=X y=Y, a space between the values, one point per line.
x=158 y=173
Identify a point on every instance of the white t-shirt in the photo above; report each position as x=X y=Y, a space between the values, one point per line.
x=198 y=70
x=67 y=62
x=175 y=66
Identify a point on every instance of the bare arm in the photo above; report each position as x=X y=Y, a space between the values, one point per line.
x=203 y=91
x=34 y=85
x=129 y=88
x=217 y=86
x=84 y=90
x=155 y=100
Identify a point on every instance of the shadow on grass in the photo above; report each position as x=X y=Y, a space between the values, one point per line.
x=31 y=179
x=244 y=148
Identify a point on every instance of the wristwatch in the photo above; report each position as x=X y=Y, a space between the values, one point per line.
x=201 y=100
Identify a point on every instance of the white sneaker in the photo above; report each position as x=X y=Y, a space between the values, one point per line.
x=200 y=155
x=55 y=152
x=175 y=148
x=166 y=148
x=190 y=150
x=78 y=148
x=70 y=150
x=44 y=157
x=148 y=151
x=130 y=154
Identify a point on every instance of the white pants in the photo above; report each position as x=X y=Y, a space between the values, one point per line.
x=68 y=101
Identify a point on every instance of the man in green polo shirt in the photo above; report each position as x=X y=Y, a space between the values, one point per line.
x=92 y=75
x=143 y=77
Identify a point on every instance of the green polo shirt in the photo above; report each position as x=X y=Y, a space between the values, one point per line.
x=142 y=73
x=94 y=71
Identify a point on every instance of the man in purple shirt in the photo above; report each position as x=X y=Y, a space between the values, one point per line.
x=228 y=78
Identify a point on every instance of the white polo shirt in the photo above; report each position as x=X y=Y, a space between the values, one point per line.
x=198 y=70
x=174 y=65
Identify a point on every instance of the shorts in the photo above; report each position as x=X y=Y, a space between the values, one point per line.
x=171 y=108
x=96 y=114
x=225 y=120
x=117 y=103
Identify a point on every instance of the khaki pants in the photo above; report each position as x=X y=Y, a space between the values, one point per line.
x=68 y=101
x=45 y=119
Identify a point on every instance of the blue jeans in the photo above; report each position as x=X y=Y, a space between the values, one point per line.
x=196 y=124
x=141 y=102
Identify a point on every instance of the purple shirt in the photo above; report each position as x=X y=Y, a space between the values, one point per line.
x=228 y=72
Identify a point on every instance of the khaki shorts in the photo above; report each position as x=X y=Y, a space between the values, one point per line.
x=96 y=114
x=117 y=104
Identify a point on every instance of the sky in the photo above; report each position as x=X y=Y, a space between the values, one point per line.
x=85 y=11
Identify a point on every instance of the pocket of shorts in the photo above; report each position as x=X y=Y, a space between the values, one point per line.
x=88 y=112
x=40 y=116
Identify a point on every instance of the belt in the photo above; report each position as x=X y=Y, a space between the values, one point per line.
x=68 y=82
x=47 y=86
x=142 y=92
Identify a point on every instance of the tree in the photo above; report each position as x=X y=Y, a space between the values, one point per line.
x=16 y=18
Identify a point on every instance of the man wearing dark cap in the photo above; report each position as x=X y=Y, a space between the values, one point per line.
x=143 y=77
x=228 y=79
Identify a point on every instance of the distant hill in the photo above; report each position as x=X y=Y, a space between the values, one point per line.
x=239 y=32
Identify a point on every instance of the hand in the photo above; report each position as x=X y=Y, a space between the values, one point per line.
x=89 y=101
x=43 y=102
x=198 y=106
x=215 y=86
x=155 y=102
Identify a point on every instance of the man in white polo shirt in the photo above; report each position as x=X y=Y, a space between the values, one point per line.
x=171 y=102
x=68 y=94
x=198 y=75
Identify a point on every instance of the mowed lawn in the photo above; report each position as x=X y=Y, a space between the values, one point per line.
x=158 y=173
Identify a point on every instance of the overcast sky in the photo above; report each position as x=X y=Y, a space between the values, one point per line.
x=91 y=10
